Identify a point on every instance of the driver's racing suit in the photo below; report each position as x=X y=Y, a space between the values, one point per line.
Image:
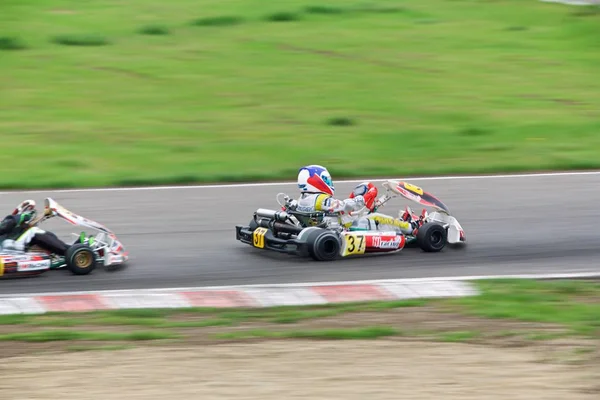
x=16 y=234
x=363 y=195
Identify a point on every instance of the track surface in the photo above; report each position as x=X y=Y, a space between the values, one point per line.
x=183 y=237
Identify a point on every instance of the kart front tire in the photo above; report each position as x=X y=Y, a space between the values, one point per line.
x=323 y=245
x=80 y=259
x=432 y=237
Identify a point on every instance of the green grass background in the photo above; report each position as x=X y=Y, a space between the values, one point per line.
x=117 y=93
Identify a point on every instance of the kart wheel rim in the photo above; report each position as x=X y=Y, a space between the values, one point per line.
x=83 y=260
x=436 y=238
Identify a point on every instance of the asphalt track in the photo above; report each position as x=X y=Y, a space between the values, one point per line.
x=183 y=237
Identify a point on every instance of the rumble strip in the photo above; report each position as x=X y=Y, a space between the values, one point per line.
x=233 y=296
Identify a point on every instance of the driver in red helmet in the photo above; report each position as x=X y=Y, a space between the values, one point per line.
x=317 y=191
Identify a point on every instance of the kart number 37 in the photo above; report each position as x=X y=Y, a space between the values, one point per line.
x=258 y=237
x=355 y=244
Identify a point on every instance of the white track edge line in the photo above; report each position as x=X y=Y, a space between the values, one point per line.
x=313 y=284
x=267 y=184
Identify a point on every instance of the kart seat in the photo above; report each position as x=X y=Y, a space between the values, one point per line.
x=316 y=218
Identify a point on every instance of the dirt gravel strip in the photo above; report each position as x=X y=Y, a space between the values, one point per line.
x=233 y=296
x=381 y=370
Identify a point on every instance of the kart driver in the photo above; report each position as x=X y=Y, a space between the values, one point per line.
x=17 y=234
x=317 y=191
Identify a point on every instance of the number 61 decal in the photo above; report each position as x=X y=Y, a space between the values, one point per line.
x=355 y=244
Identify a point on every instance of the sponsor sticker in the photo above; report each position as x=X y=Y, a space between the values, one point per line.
x=33 y=265
x=391 y=221
x=382 y=243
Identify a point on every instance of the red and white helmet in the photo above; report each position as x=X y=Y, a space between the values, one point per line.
x=315 y=179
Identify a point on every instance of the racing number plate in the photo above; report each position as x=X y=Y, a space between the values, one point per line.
x=1 y=266
x=355 y=244
x=258 y=237
x=413 y=188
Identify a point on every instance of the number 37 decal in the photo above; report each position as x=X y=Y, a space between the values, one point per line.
x=258 y=238
x=355 y=244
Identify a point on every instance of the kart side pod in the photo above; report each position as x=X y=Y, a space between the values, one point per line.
x=325 y=245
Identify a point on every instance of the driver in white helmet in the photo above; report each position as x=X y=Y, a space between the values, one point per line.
x=317 y=194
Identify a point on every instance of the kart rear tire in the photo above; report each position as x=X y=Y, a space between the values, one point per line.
x=323 y=245
x=432 y=237
x=80 y=259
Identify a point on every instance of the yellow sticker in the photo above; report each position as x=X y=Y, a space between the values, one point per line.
x=413 y=188
x=258 y=237
x=390 y=221
x=1 y=266
x=355 y=244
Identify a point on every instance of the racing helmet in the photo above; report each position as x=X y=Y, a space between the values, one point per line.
x=27 y=206
x=315 y=179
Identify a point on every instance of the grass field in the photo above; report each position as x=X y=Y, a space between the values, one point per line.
x=105 y=92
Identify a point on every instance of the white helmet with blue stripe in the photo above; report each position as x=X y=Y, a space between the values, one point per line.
x=315 y=179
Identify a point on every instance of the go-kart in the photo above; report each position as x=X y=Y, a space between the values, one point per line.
x=324 y=237
x=82 y=256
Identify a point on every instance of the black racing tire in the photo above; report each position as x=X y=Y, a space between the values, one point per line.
x=432 y=237
x=80 y=259
x=323 y=245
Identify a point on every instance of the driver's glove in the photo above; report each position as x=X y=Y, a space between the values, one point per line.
x=26 y=218
x=368 y=192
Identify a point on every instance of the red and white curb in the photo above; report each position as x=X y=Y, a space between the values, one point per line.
x=251 y=296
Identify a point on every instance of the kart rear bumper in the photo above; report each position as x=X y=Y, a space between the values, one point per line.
x=287 y=246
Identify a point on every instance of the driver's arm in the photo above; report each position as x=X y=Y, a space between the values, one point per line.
x=363 y=195
x=332 y=205
x=368 y=193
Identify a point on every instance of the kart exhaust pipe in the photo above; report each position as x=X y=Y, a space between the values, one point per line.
x=271 y=214
x=278 y=226
x=287 y=228
x=264 y=223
